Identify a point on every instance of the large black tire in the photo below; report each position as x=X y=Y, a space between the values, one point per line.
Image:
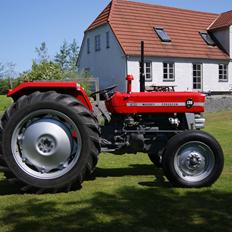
x=193 y=159
x=156 y=159
x=156 y=151
x=79 y=117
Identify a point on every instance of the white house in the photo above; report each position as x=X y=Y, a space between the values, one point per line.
x=188 y=49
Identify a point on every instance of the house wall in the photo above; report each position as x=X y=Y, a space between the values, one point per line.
x=108 y=64
x=183 y=74
x=231 y=42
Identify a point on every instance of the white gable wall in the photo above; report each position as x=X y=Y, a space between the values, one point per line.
x=108 y=64
x=231 y=42
x=183 y=74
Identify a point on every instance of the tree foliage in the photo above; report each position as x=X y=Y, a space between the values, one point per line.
x=62 y=57
x=62 y=67
x=1 y=70
x=73 y=56
x=42 y=53
x=43 y=71
x=7 y=76
x=67 y=56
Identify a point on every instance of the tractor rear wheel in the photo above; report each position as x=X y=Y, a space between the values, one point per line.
x=48 y=141
x=193 y=159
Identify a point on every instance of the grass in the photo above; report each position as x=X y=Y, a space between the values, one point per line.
x=4 y=103
x=128 y=194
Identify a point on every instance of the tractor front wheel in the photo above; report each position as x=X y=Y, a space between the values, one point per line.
x=193 y=159
x=49 y=141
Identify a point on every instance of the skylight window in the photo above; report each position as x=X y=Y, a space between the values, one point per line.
x=207 y=38
x=162 y=34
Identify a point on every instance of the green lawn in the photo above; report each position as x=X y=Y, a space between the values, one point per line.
x=4 y=103
x=128 y=194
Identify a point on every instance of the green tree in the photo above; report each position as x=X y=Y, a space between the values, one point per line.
x=43 y=71
x=10 y=73
x=62 y=57
x=42 y=53
x=7 y=74
x=73 y=55
x=1 y=70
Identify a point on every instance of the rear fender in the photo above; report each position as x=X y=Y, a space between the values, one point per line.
x=70 y=88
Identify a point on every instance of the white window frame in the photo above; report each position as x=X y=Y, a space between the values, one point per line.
x=223 y=73
x=97 y=43
x=168 y=72
x=148 y=71
x=197 y=79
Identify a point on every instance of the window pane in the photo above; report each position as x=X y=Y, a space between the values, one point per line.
x=162 y=35
x=97 y=43
x=88 y=45
x=207 y=38
x=107 y=39
x=171 y=76
x=148 y=76
x=197 y=72
x=148 y=71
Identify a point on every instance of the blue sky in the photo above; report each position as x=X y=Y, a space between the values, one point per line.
x=24 y=24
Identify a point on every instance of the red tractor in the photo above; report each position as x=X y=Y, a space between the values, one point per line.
x=51 y=136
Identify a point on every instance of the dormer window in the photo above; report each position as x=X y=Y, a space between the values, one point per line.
x=207 y=38
x=162 y=34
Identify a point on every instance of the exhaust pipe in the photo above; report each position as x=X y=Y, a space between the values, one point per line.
x=142 y=73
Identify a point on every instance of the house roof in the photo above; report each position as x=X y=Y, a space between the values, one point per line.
x=223 y=20
x=102 y=18
x=132 y=22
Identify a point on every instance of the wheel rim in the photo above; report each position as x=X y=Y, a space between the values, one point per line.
x=194 y=161
x=46 y=144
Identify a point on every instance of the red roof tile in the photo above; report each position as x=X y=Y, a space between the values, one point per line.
x=103 y=18
x=133 y=21
x=224 y=20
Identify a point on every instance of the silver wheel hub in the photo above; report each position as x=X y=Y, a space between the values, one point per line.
x=46 y=144
x=194 y=161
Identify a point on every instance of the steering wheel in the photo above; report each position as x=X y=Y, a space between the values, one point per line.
x=104 y=92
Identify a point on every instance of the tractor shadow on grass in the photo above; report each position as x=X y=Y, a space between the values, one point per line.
x=131 y=170
x=126 y=209
x=136 y=170
x=7 y=188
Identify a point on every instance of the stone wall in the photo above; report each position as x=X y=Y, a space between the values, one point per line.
x=218 y=103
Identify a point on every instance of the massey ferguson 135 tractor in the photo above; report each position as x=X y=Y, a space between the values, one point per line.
x=51 y=136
